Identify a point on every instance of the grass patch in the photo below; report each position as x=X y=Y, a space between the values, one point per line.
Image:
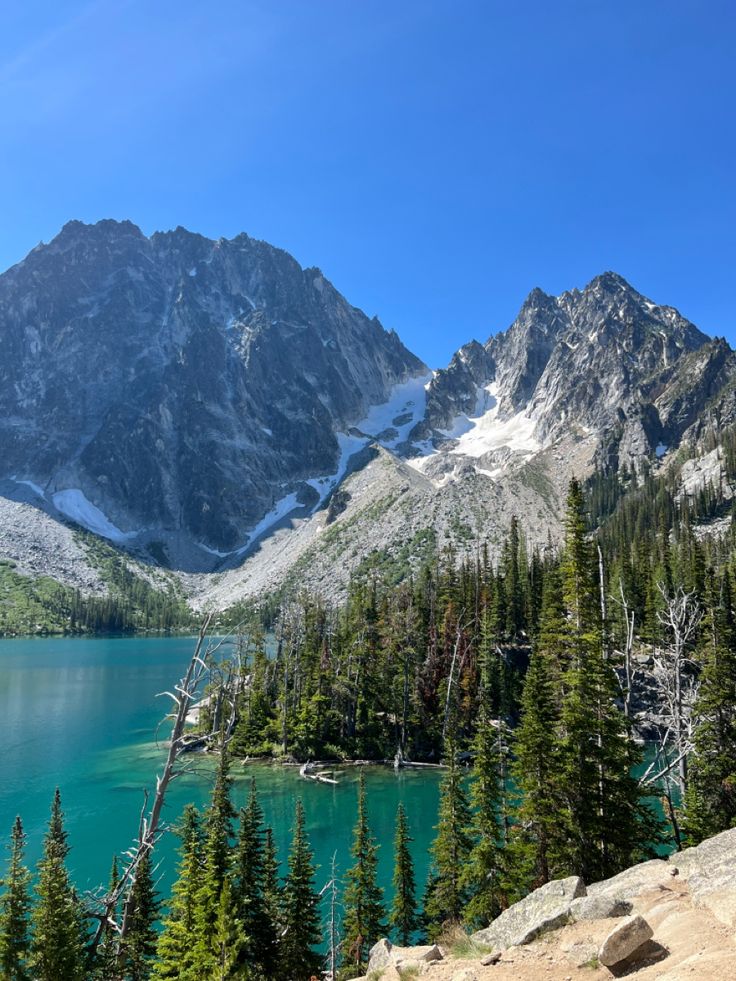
x=461 y=945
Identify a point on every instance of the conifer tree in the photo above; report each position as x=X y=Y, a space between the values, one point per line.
x=538 y=827
x=15 y=905
x=364 y=912
x=140 y=942
x=175 y=944
x=446 y=893
x=217 y=855
x=403 y=918
x=58 y=946
x=608 y=826
x=710 y=799
x=227 y=942
x=249 y=874
x=272 y=901
x=298 y=960
x=481 y=875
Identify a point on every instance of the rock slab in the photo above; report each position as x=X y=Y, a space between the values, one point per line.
x=625 y=938
x=547 y=908
x=600 y=907
x=384 y=954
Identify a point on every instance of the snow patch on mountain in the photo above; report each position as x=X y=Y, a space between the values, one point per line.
x=482 y=433
x=74 y=505
x=388 y=423
x=29 y=483
x=278 y=512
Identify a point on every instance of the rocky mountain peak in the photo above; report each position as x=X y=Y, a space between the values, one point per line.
x=585 y=363
x=177 y=389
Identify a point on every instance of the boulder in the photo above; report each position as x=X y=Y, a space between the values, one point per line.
x=431 y=952
x=380 y=954
x=599 y=907
x=384 y=955
x=547 y=908
x=407 y=967
x=489 y=959
x=631 y=882
x=625 y=938
x=710 y=870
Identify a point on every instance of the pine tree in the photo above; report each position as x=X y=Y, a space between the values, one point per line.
x=300 y=909
x=140 y=942
x=227 y=942
x=446 y=895
x=539 y=820
x=482 y=874
x=259 y=929
x=217 y=854
x=608 y=826
x=272 y=900
x=403 y=918
x=710 y=799
x=363 y=900
x=175 y=944
x=15 y=905
x=58 y=946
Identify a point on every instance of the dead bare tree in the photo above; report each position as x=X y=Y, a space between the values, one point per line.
x=677 y=689
x=460 y=635
x=185 y=694
x=629 y=616
x=334 y=940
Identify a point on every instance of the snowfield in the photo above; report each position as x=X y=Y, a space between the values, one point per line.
x=484 y=433
x=75 y=506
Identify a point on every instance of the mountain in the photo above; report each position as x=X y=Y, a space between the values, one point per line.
x=603 y=362
x=210 y=406
x=600 y=377
x=172 y=389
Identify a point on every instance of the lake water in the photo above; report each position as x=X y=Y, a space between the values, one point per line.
x=82 y=714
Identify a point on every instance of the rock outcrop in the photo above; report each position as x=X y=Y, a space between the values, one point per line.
x=668 y=920
x=544 y=909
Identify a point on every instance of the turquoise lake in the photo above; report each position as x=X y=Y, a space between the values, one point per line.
x=83 y=714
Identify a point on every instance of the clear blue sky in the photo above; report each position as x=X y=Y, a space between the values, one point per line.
x=436 y=159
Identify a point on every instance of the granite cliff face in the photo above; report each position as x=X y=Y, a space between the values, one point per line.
x=603 y=361
x=198 y=402
x=175 y=388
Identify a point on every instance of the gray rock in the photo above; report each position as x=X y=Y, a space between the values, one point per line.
x=632 y=881
x=184 y=385
x=380 y=954
x=428 y=953
x=710 y=871
x=547 y=908
x=599 y=907
x=489 y=959
x=625 y=938
x=405 y=956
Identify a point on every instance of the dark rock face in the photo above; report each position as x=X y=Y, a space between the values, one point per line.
x=181 y=383
x=603 y=360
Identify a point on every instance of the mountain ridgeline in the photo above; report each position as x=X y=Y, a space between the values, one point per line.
x=177 y=383
x=194 y=401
